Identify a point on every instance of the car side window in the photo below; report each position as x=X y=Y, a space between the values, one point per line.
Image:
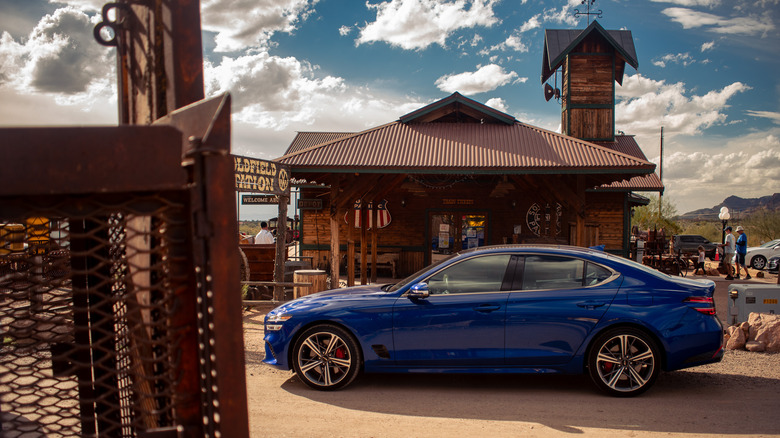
x=595 y=274
x=554 y=272
x=477 y=274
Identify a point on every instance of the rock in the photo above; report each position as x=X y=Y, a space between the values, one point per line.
x=737 y=338
x=755 y=346
x=765 y=328
x=760 y=274
x=745 y=328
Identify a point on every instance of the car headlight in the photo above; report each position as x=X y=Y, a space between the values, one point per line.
x=275 y=322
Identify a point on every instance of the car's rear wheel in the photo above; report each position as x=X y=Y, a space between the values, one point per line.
x=326 y=357
x=623 y=362
x=758 y=262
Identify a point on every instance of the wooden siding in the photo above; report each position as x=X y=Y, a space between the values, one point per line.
x=409 y=233
x=605 y=211
x=591 y=123
x=588 y=97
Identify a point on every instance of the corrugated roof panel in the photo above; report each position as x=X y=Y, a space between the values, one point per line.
x=304 y=140
x=442 y=146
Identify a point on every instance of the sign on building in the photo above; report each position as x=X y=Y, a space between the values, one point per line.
x=261 y=199
x=260 y=176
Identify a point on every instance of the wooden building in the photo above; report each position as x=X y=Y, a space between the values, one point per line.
x=457 y=174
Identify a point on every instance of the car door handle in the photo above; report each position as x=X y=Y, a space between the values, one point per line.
x=591 y=304
x=487 y=308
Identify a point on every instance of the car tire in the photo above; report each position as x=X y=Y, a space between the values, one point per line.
x=624 y=362
x=758 y=262
x=326 y=357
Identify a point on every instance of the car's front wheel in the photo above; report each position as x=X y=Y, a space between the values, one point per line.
x=758 y=262
x=326 y=357
x=624 y=362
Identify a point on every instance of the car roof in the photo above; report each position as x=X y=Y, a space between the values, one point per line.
x=552 y=249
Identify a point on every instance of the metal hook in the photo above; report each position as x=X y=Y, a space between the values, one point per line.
x=107 y=22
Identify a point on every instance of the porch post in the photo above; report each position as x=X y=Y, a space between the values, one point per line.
x=374 y=232
x=335 y=256
x=363 y=242
x=351 y=244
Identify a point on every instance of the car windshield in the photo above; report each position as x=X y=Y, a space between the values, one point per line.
x=410 y=278
x=770 y=244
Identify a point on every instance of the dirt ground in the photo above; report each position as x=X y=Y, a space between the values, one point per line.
x=737 y=397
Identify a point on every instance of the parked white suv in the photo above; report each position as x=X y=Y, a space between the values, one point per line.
x=757 y=256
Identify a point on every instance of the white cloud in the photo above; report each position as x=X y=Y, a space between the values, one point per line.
x=275 y=96
x=707 y=46
x=263 y=84
x=565 y=15
x=773 y=116
x=241 y=24
x=486 y=78
x=56 y=68
x=265 y=133
x=645 y=105
x=680 y=58
x=747 y=25
x=416 y=24
x=531 y=24
x=345 y=30
x=513 y=43
x=82 y=5
x=497 y=103
x=706 y=3
x=749 y=167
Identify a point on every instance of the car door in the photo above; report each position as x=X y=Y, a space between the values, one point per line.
x=555 y=304
x=461 y=322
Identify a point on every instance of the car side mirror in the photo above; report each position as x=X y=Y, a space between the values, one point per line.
x=419 y=291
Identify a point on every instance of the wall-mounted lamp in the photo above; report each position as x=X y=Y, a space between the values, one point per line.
x=513 y=203
x=403 y=202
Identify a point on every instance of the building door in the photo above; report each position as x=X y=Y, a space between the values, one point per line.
x=451 y=232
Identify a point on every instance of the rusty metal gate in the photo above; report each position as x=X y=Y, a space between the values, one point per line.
x=120 y=306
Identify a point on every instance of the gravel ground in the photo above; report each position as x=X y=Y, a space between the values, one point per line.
x=737 y=397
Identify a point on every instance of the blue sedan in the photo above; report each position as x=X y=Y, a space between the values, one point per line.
x=504 y=309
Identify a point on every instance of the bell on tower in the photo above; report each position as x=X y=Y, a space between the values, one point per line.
x=591 y=61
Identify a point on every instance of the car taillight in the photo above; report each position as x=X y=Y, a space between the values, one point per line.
x=705 y=305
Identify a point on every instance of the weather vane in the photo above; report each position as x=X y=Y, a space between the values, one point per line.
x=577 y=12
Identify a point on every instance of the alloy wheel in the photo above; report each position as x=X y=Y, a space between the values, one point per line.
x=624 y=364
x=326 y=358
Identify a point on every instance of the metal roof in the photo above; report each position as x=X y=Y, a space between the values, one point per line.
x=559 y=42
x=627 y=145
x=305 y=140
x=462 y=147
x=457 y=103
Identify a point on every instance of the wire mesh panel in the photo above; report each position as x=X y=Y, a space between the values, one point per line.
x=98 y=319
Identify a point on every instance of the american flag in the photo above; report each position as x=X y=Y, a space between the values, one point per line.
x=383 y=216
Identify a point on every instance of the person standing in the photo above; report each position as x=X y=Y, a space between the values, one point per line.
x=741 y=245
x=729 y=249
x=264 y=236
x=700 y=262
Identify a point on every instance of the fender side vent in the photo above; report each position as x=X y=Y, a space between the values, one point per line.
x=381 y=351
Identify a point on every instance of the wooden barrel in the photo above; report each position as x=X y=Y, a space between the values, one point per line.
x=314 y=276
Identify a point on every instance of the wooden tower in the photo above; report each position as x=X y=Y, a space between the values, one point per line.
x=590 y=60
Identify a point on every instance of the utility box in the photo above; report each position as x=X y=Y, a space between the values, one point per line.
x=747 y=298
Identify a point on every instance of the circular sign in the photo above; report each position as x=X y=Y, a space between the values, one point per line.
x=533 y=219
x=284 y=180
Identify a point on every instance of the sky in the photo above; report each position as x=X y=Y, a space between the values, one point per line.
x=708 y=73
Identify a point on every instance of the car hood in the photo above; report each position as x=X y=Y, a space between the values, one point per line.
x=321 y=299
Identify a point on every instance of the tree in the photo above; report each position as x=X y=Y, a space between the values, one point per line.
x=648 y=216
x=762 y=226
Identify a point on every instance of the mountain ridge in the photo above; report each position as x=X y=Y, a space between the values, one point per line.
x=737 y=206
